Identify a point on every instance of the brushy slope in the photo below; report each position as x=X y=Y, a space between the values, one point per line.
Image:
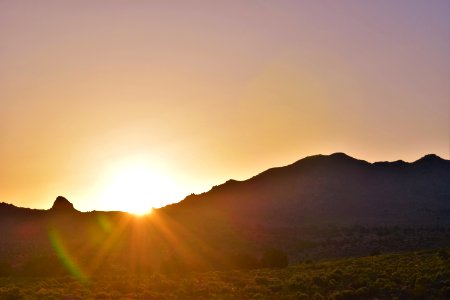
x=410 y=275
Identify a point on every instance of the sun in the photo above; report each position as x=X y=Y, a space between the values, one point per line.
x=136 y=187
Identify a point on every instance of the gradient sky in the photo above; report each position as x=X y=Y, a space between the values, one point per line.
x=198 y=92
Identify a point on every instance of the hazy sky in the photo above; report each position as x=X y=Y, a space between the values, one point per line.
x=192 y=93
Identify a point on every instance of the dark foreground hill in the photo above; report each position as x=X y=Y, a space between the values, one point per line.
x=318 y=207
x=329 y=206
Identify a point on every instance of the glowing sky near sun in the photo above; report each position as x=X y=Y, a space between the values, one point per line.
x=204 y=91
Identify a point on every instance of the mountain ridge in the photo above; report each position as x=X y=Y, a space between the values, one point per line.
x=317 y=207
x=315 y=183
x=337 y=159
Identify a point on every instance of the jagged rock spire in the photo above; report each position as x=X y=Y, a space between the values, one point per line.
x=61 y=204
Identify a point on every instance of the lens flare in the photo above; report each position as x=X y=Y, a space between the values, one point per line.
x=104 y=223
x=65 y=257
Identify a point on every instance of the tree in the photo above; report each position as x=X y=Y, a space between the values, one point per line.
x=274 y=258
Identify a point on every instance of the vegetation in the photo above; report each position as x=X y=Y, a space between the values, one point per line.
x=409 y=275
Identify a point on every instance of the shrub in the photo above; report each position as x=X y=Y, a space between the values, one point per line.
x=445 y=292
x=261 y=280
x=317 y=296
x=11 y=293
x=245 y=261
x=345 y=295
x=443 y=254
x=302 y=296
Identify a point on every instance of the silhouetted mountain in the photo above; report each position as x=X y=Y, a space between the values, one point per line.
x=320 y=206
x=62 y=205
x=335 y=189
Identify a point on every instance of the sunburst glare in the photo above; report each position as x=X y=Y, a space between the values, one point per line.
x=136 y=187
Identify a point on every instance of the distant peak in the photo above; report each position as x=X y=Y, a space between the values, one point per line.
x=336 y=155
x=429 y=158
x=61 y=204
x=231 y=181
x=340 y=155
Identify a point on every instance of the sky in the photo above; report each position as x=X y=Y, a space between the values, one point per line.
x=128 y=105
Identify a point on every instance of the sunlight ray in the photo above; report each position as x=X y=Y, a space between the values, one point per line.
x=104 y=250
x=187 y=243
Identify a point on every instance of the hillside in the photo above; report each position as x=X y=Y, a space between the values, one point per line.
x=410 y=275
x=335 y=189
x=319 y=207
